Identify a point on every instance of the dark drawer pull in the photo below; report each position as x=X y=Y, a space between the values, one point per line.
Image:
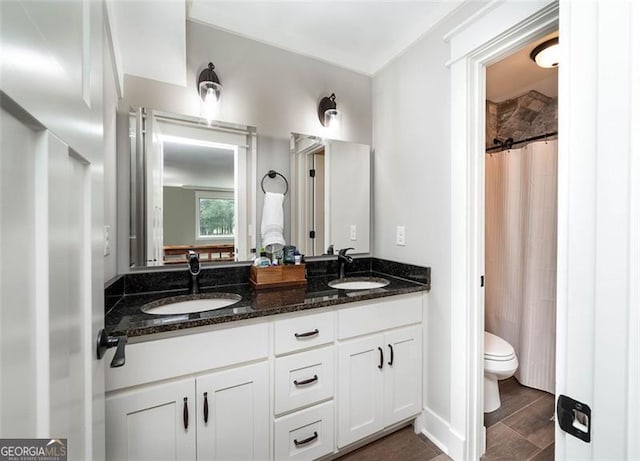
x=390 y=362
x=306 y=381
x=206 y=408
x=381 y=358
x=307 y=334
x=185 y=414
x=307 y=440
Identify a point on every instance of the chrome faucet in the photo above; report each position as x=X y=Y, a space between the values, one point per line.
x=343 y=259
x=193 y=262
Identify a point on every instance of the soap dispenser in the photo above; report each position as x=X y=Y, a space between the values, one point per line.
x=262 y=261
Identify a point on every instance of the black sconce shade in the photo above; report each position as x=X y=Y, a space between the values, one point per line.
x=327 y=108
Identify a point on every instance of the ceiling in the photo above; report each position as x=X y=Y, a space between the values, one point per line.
x=517 y=74
x=360 y=35
x=197 y=166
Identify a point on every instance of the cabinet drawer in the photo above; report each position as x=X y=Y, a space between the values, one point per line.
x=306 y=434
x=303 y=332
x=379 y=315
x=304 y=378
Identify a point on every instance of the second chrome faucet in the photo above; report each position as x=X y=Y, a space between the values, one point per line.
x=193 y=262
x=343 y=259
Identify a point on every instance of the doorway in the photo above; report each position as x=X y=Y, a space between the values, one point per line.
x=498 y=32
x=520 y=249
x=597 y=244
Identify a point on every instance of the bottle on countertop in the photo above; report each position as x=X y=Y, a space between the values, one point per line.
x=262 y=261
x=289 y=251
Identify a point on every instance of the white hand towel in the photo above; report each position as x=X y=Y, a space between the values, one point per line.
x=272 y=222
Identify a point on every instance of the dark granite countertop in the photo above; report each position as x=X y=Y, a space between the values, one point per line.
x=126 y=317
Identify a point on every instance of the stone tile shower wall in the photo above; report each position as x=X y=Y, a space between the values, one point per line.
x=531 y=114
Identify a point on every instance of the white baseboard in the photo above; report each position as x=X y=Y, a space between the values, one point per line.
x=457 y=446
x=438 y=430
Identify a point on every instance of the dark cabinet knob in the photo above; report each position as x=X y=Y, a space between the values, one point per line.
x=185 y=414
x=297 y=442
x=206 y=408
x=390 y=362
x=381 y=358
x=307 y=334
x=306 y=381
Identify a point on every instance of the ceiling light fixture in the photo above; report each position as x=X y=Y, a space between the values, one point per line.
x=328 y=113
x=210 y=91
x=547 y=54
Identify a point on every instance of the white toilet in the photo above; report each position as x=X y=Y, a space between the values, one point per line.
x=500 y=362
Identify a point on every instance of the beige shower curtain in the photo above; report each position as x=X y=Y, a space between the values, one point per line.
x=520 y=257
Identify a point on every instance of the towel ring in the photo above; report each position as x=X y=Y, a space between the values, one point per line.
x=272 y=174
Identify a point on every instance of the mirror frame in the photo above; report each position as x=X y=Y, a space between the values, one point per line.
x=137 y=181
x=304 y=190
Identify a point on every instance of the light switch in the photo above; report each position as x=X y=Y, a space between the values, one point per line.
x=400 y=232
x=107 y=242
x=354 y=234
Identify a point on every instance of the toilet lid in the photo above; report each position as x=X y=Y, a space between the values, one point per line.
x=497 y=348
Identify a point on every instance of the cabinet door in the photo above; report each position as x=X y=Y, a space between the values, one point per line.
x=360 y=388
x=237 y=407
x=403 y=377
x=149 y=424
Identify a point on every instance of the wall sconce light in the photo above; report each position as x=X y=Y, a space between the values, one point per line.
x=547 y=54
x=328 y=113
x=210 y=91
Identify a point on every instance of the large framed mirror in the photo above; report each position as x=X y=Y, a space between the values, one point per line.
x=331 y=199
x=192 y=188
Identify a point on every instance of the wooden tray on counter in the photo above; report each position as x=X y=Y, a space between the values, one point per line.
x=277 y=276
x=268 y=298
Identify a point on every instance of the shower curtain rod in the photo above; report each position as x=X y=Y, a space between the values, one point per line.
x=509 y=143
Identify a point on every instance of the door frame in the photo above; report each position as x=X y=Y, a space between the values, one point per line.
x=494 y=32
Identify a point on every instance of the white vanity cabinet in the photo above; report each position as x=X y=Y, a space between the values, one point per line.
x=299 y=386
x=174 y=419
x=177 y=421
x=379 y=374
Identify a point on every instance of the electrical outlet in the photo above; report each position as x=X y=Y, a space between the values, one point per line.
x=107 y=242
x=354 y=234
x=400 y=232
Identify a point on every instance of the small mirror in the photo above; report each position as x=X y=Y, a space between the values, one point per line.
x=191 y=188
x=330 y=203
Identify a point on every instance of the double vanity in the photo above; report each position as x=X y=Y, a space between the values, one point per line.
x=217 y=368
x=293 y=373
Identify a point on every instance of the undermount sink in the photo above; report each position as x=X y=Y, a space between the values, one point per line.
x=188 y=305
x=358 y=283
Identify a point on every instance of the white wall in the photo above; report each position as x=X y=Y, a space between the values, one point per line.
x=411 y=101
x=272 y=89
x=179 y=216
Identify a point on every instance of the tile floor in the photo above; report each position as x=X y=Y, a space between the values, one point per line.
x=402 y=445
x=521 y=429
